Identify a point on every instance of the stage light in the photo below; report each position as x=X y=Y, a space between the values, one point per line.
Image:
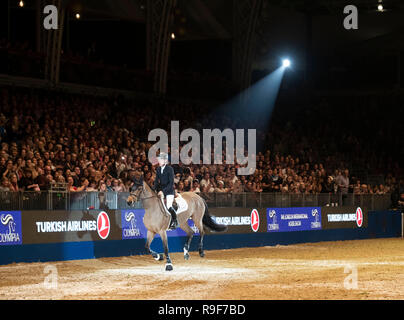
x=78 y=16
x=21 y=3
x=173 y=36
x=380 y=7
x=286 y=63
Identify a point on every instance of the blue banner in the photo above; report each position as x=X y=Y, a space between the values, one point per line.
x=293 y=219
x=10 y=228
x=134 y=228
x=132 y=224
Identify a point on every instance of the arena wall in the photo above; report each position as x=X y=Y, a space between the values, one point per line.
x=28 y=236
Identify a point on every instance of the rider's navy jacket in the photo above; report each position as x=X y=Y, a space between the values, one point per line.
x=164 y=181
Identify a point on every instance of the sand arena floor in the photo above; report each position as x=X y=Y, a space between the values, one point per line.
x=325 y=270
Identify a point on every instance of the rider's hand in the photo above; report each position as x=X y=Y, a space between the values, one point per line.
x=160 y=194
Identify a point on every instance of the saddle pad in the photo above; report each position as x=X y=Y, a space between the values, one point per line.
x=181 y=203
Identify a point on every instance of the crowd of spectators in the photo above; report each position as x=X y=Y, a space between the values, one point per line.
x=99 y=144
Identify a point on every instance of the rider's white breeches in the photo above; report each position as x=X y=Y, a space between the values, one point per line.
x=170 y=199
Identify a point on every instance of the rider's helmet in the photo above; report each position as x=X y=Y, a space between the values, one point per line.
x=162 y=158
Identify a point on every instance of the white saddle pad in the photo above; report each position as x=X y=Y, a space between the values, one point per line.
x=182 y=205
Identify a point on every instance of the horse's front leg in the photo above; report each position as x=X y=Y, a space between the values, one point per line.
x=155 y=255
x=169 y=265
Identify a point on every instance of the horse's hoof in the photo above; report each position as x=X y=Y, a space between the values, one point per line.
x=201 y=254
x=186 y=254
x=158 y=257
x=169 y=267
x=161 y=257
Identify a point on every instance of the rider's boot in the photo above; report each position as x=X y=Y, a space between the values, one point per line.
x=174 y=222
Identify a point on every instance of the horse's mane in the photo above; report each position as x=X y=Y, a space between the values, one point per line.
x=154 y=194
x=146 y=185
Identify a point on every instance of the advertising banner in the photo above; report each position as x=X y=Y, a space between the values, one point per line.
x=344 y=217
x=33 y=227
x=134 y=228
x=10 y=228
x=240 y=220
x=293 y=219
x=69 y=226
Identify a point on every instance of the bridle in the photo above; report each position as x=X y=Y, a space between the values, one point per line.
x=137 y=197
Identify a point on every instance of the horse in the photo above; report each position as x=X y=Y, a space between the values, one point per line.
x=157 y=220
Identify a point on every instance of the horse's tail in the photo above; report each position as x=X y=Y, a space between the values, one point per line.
x=208 y=221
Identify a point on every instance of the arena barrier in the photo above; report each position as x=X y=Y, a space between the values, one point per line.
x=31 y=236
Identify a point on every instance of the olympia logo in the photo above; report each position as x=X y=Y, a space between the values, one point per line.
x=132 y=231
x=7 y=220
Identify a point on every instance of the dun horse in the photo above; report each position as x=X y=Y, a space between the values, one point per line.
x=156 y=220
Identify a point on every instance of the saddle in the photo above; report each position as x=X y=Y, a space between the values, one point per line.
x=179 y=203
x=175 y=204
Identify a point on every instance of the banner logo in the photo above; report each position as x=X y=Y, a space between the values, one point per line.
x=344 y=217
x=272 y=223
x=10 y=228
x=316 y=224
x=293 y=219
x=132 y=224
x=131 y=230
x=359 y=217
x=103 y=225
x=255 y=220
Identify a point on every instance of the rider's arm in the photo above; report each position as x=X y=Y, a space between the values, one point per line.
x=156 y=185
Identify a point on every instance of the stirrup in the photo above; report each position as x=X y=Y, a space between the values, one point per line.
x=173 y=224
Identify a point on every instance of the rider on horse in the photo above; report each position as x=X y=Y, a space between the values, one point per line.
x=164 y=184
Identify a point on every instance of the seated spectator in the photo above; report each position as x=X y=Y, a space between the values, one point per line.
x=180 y=187
x=8 y=169
x=401 y=201
x=92 y=187
x=328 y=186
x=5 y=185
x=357 y=187
x=83 y=187
x=380 y=189
x=70 y=185
x=195 y=186
x=249 y=187
x=108 y=184
x=27 y=182
x=206 y=180
x=187 y=185
x=13 y=185
x=221 y=187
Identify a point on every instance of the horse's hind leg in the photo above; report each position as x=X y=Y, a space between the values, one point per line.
x=169 y=265
x=201 y=252
x=155 y=255
x=202 y=233
x=190 y=234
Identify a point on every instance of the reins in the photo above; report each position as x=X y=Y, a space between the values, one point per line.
x=153 y=196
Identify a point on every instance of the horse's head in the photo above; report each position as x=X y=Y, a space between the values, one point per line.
x=135 y=192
